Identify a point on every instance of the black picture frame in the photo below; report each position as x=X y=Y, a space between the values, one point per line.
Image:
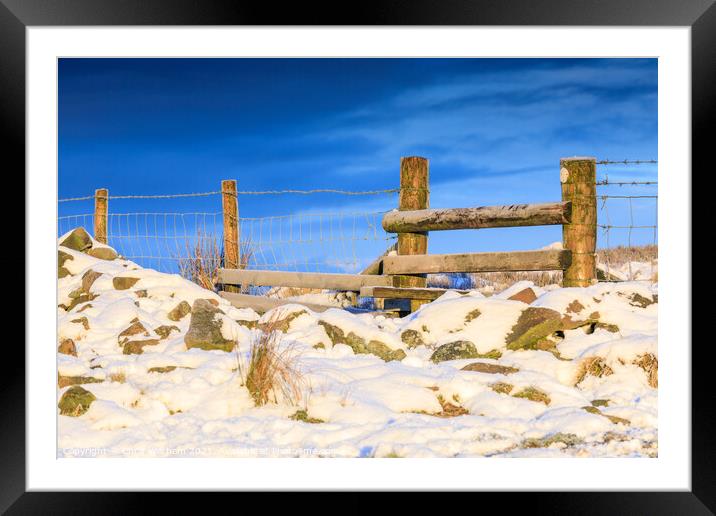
x=700 y=15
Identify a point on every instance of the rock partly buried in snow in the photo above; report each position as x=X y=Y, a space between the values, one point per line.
x=88 y=278
x=533 y=394
x=77 y=240
x=75 y=401
x=526 y=295
x=62 y=257
x=164 y=331
x=67 y=347
x=204 y=328
x=484 y=367
x=412 y=338
x=123 y=282
x=103 y=253
x=533 y=325
x=359 y=345
x=65 y=381
x=283 y=323
x=136 y=347
x=455 y=351
x=136 y=328
x=179 y=311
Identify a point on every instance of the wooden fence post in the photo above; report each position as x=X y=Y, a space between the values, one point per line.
x=230 y=209
x=414 y=195
x=101 y=196
x=578 y=178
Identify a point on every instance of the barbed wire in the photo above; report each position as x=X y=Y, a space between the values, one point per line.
x=627 y=162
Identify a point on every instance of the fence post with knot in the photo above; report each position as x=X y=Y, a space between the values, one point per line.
x=578 y=179
x=101 y=196
x=230 y=209
x=414 y=195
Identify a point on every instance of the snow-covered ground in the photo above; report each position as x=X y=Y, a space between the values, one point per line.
x=570 y=373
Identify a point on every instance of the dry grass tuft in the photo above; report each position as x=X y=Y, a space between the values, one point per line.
x=272 y=369
x=650 y=364
x=119 y=377
x=592 y=366
x=202 y=261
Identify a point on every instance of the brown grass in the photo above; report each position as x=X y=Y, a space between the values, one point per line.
x=271 y=370
x=202 y=261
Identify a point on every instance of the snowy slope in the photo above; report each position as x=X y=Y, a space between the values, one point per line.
x=586 y=389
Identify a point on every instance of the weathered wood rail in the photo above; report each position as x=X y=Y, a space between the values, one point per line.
x=512 y=215
x=513 y=261
x=331 y=281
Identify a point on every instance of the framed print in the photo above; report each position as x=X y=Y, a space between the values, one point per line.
x=272 y=251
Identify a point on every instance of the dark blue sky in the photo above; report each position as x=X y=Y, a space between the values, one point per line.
x=493 y=129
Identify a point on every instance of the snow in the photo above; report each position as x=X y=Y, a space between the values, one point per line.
x=368 y=407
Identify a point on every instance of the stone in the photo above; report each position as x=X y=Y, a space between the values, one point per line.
x=559 y=437
x=533 y=394
x=641 y=301
x=484 y=367
x=454 y=351
x=533 y=325
x=412 y=338
x=502 y=387
x=81 y=298
x=88 y=278
x=136 y=347
x=472 y=315
x=180 y=311
x=141 y=292
x=103 y=253
x=164 y=331
x=75 y=401
x=62 y=257
x=204 y=330
x=574 y=307
x=65 y=381
x=123 y=282
x=67 y=347
x=283 y=324
x=77 y=240
x=136 y=328
x=83 y=321
x=165 y=369
x=526 y=295
x=359 y=345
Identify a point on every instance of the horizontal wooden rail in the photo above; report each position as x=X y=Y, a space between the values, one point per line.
x=512 y=215
x=263 y=304
x=351 y=282
x=429 y=294
x=548 y=260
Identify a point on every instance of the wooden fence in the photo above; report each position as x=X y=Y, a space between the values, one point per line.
x=404 y=276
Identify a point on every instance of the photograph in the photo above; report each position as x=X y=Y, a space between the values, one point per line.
x=357 y=257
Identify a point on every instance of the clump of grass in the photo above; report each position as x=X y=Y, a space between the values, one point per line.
x=302 y=415
x=650 y=364
x=118 y=377
x=202 y=261
x=272 y=369
x=592 y=366
x=533 y=394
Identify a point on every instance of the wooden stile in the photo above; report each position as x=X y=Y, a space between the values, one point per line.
x=332 y=281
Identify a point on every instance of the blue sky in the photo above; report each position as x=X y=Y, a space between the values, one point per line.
x=493 y=129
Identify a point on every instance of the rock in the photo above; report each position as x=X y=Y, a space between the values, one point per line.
x=526 y=295
x=82 y=298
x=180 y=310
x=533 y=394
x=62 y=257
x=124 y=282
x=533 y=325
x=484 y=367
x=136 y=328
x=247 y=324
x=165 y=369
x=141 y=292
x=454 y=351
x=282 y=325
x=614 y=419
x=474 y=314
x=75 y=401
x=88 y=278
x=67 y=347
x=650 y=364
x=592 y=366
x=65 y=381
x=559 y=437
x=204 y=330
x=358 y=344
x=600 y=403
x=164 y=331
x=502 y=387
x=136 y=347
x=641 y=301
x=302 y=415
x=412 y=338
x=574 y=307
x=103 y=253
x=77 y=240
x=83 y=321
